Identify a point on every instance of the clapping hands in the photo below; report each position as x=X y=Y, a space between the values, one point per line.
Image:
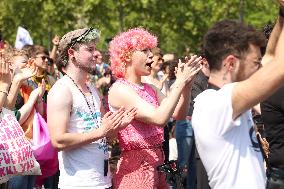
x=39 y=92
x=115 y=121
x=186 y=70
x=6 y=73
x=28 y=71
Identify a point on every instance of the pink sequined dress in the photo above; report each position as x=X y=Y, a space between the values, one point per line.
x=141 y=146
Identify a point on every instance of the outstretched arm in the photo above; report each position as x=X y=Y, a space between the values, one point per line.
x=55 y=42
x=271 y=45
x=20 y=76
x=5 y=80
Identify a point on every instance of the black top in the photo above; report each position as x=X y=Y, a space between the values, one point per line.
x=200 y=84
x=272 y=111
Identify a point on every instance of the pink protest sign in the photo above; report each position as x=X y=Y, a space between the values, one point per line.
x=16 y=154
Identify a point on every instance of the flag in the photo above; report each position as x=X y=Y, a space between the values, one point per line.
x=23 y=38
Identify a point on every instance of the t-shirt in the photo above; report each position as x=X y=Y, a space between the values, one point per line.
x=228 y=148
x=83 y=167
x=272 y=112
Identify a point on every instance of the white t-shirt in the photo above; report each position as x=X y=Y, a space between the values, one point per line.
x=83 y=167
x=228 y=148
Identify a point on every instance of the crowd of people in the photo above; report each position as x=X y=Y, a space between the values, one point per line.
x=213 y=120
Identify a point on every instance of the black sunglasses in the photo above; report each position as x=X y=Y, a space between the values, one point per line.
x=80 y=37
x=43 y=57
x=49 y=60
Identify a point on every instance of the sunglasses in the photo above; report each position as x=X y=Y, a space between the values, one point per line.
x=49 y=60
x=43 y=57
x=80 y=37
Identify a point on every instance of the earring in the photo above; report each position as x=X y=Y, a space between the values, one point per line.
x=224 y=77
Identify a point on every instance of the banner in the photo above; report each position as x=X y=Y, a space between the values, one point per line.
x=16 y=154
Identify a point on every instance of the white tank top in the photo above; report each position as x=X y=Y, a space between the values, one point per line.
x=83 y=167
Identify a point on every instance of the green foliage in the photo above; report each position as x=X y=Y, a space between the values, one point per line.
x=179 y=24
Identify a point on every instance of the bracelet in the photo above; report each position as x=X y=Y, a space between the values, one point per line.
x=281 y=12
x=5 y=92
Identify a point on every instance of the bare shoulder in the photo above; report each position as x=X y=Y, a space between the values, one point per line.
x=121 y=95
x=119 y=88
x=60 y=95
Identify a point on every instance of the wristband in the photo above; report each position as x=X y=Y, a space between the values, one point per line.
x=281 y=12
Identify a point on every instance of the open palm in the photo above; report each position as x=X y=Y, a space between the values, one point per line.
x=26 y=72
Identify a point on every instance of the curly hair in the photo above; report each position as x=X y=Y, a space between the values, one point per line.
x=267 y=29
x=229 y=37
x=123 y=45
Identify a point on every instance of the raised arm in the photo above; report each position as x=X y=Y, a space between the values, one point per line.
x=20 y=76
x=5 y=80
x=264 y=82
x=122 y=95
x=271 y=45
x=35 y=96
x=55 y=42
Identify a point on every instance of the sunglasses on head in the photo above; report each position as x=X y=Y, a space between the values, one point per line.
x=80 y=37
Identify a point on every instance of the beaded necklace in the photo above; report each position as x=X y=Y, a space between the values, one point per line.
x=102 y=140
x=89 y=106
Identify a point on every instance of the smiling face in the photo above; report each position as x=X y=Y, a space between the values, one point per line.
x=87 y=56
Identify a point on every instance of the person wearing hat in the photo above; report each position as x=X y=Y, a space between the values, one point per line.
x=77 y=124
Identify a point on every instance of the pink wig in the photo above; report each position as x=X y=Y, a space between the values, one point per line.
x=123 y=45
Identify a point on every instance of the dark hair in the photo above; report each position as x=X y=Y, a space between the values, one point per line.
x=62 y=58
x=156 y=51
x=172 y=65
x=229 y=37
x=267 y=29
x=33 y=50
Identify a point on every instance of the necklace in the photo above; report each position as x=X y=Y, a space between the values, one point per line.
x=85 y=98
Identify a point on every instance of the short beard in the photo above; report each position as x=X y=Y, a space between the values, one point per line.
x=85 y=68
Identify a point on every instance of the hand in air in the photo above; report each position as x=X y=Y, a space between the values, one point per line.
x=186 y=71
x=28 y=71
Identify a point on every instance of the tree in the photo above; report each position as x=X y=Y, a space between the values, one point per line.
x=179 y=25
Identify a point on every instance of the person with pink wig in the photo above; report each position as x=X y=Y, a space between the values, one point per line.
x=141 y=141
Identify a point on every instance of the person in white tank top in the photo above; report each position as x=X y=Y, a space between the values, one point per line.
x=77 y=123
